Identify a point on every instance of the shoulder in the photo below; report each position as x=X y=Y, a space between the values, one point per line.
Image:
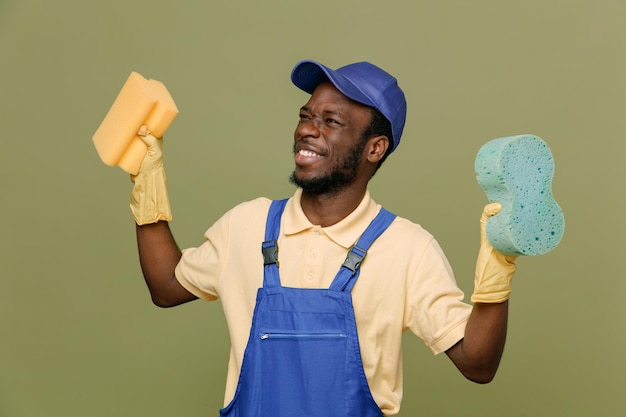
x=402 y=228
x=408 y=240
x=256 y=207
x=246 y=216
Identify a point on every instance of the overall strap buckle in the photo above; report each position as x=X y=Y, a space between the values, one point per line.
x=354 y=258
x=269 y=248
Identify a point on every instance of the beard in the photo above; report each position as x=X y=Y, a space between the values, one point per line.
x=341 y=175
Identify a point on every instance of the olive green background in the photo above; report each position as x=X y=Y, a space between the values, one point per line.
x=78 y=333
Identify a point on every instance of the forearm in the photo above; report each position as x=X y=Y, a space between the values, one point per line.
x=478 y=354
x=158 y=256
x=158 y=252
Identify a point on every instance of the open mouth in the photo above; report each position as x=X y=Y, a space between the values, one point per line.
x=307 y=154
x=306 y=157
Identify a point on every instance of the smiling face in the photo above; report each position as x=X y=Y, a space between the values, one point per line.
x=329 y=143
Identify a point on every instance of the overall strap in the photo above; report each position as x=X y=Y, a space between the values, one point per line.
x=269 y=247
x=349 y=271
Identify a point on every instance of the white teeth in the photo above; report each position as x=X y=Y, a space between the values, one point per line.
x=304 y=152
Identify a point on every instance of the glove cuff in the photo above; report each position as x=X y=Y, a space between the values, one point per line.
x=491 y=296
x=493 y=278
x=149 y=201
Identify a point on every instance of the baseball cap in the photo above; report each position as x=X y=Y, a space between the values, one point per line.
x=362 y=82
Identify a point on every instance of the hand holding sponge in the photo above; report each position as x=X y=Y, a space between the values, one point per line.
x=494 y=271
x=522 y=218
x=139 y=102
x=130 y=136
x=149 y=201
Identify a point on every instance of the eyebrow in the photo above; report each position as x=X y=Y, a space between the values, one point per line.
x=325 y=112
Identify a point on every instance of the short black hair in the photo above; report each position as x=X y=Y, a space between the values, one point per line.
x=379 y=126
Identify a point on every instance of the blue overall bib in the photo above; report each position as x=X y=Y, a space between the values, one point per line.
x=303 y=358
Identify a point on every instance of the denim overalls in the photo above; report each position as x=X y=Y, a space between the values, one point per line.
x=303 y=358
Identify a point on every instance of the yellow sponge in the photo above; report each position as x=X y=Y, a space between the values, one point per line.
x=139 y=102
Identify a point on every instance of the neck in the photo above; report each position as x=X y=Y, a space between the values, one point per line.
x=328 y=209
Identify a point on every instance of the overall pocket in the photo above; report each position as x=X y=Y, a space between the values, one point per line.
x=304 y=369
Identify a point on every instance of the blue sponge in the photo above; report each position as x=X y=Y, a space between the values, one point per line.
x=517 y=172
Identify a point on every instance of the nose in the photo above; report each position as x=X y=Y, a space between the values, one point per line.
x=307 y=128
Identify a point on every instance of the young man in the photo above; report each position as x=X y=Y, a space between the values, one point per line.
x=352 y=121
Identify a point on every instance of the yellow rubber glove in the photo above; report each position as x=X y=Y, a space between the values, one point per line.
x=494 y=271
x=149 y=201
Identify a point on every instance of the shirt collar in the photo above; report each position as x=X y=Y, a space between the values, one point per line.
x=344 y=233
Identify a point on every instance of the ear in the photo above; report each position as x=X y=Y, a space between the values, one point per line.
x=377 y=148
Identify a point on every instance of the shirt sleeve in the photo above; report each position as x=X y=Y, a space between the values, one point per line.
x=435 y=309
x=230 y=252
x=200 y=268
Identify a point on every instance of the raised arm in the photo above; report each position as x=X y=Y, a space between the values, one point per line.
x=158 y=252
x=158 y=255
x=478 y=354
